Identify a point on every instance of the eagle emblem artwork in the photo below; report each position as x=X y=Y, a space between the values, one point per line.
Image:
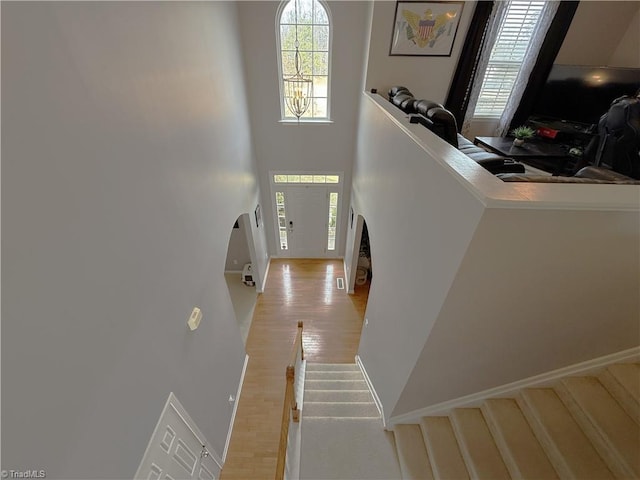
x=425 y=28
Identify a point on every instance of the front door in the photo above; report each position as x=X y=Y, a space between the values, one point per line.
x=307 y=209
x=306 y=214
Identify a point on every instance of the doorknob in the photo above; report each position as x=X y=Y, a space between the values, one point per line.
x=291 y=225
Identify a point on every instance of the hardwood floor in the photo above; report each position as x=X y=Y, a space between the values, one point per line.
x=297 y=289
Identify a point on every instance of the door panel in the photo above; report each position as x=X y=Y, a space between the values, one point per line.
x=307 y=213
x=175 y=451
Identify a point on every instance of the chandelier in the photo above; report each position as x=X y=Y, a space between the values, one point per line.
x=297 y=88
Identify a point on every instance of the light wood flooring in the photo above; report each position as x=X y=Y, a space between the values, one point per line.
x=297 y=289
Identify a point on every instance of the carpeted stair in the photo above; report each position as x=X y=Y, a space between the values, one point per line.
x=582 y=428
x=342 y=434
x=337 y=390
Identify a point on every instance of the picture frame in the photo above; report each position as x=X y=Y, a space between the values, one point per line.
x=425 y=28
x=258 y=215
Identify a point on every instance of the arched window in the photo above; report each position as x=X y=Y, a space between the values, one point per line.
x=308 y=21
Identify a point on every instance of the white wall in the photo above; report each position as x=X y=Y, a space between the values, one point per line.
x=627 y=53
x=420 y=220
x=603 y=34
x=537 y=290
x=304 y=147
x=426 y=77
x=479 y=282
x=124 y=168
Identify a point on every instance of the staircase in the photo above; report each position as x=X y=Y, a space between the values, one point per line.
x=581 y=428
x=337 y=390
x=341 y=430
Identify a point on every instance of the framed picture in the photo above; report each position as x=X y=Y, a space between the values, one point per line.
x=425 y=28
x=258 y=216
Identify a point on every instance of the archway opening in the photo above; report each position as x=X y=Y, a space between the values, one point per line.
x=364 y=270
x=238 y=273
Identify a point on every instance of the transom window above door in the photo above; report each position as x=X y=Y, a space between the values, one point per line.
x=307 y=23
x=305 y=178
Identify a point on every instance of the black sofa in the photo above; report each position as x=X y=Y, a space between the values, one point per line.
x=589 y=174
x=442 y=122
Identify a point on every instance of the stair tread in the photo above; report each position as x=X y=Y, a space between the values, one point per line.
x=412 y=453
x=338 y=396
x=568 y=448
x=325 y=367
x=477 y=446
x=520 y=449
x=442 y=448
x=334 y=375
x=334 y=385
x=628 y=374
x=625 y=391
x=614 y=434
x=340 y=409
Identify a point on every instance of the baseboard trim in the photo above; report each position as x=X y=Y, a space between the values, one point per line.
x=376 y=399
x=509 y=389
x=347 y=279
x=260 y=289
x=235 y=408
x=239 y=272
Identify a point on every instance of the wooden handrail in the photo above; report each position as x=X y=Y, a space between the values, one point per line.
x=298 y=342
x=290 y=408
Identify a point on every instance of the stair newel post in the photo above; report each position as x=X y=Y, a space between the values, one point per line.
x=300 y=327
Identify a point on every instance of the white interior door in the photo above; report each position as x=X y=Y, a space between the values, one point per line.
x=307 y=210
x=177 y=449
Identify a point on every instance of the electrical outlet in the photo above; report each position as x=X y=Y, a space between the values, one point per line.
x=366 y=322
x=235 y=262
x=232 y=399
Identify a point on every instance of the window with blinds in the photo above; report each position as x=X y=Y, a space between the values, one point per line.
x=515 y=33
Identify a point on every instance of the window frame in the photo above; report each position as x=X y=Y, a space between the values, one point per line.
x=293 y=120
